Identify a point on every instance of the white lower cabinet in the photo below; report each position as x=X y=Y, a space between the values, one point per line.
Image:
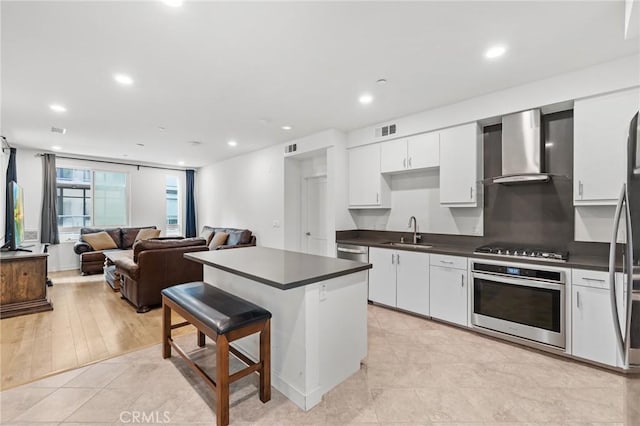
x=448 y=289
x=400 y=279
x=593 y=332
x=412 y=283
x=382 y=277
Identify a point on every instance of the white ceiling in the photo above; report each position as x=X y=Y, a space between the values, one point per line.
x=214 y=71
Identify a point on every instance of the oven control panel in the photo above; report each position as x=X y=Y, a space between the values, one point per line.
x=539 y=274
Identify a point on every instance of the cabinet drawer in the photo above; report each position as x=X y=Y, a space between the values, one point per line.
x=449 y=261
x=594 y=279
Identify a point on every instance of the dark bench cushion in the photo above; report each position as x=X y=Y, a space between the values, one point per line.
x=221 y=311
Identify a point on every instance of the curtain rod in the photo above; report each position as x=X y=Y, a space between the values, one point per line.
x=116 y=162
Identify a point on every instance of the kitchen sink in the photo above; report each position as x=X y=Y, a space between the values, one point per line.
x=410 y=245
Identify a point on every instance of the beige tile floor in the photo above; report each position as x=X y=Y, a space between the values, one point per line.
x=418 y=372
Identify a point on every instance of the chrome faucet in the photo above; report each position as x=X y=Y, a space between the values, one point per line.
x=416 y=237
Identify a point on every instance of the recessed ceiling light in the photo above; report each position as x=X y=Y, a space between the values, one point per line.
x=173 y=3
x=162 y=129
x=232 y=143
x=123 y=79
x=286 y=127
x=181 y=163
x=381 y=81
x=495 y=52
x=365 y=99
x=56 y=148
x=57 y=108
x=194 y=143
x=140 y=144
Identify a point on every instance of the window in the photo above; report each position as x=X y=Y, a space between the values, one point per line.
x=73 y=197
x=173 y=206
x=86 y=198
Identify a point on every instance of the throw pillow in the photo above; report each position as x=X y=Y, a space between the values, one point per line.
x=207 y=234
x=238 y=236
x=147 y=233
x=218 y=240
x=100 y=241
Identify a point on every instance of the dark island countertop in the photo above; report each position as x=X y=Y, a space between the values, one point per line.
x=281 y=269
x=593 y=256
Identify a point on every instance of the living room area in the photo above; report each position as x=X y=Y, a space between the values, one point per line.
x=99 y=307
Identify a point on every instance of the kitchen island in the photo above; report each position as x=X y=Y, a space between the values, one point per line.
x=319 y=308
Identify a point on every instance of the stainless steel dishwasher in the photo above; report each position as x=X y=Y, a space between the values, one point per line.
x=354 y=252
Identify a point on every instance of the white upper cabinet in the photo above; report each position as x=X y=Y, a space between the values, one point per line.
x=367 y=187
x=423 y=151
x=460 y=151
x=601 y=127
x=416 y=152
x=393 y=156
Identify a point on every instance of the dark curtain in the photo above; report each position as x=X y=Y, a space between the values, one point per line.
x=12 y=175
x=190 y=224
x=49 y=219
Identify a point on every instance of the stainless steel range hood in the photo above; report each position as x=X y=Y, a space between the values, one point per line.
x=522 y=149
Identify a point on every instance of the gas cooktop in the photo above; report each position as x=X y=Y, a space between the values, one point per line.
x=508 y=250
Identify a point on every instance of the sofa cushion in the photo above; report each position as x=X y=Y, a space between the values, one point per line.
x=92 y=256
x=238 y=236
x=207 y=233
x=219 y=239
x=129 y=235
x=147 y=234
x=114 y=233
x=100 y=241
x=165 y=244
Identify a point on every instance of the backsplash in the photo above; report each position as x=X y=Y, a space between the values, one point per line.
x=536 y=213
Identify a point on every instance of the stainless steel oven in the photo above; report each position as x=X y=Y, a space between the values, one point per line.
x=527 y=302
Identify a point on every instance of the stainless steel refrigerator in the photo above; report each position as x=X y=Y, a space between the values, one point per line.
x=627 y=216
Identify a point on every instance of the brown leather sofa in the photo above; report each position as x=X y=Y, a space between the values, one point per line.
x=237 y=237
x=155 y=265
x=92 y=261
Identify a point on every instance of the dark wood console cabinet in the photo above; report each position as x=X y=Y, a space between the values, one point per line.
x=23 y=282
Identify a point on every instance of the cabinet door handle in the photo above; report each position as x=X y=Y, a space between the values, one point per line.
x=404 y=163
x=409 y=162
x=461 y=280
x=393 y=259
x=471 y=193
x=377 y=197
x=578 y=299
x=580 y=188
x=397 y=259
x=446 y=262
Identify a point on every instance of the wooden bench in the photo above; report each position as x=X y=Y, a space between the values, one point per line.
x=224 y=318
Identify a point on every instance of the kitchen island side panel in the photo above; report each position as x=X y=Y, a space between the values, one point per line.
x=318 y=331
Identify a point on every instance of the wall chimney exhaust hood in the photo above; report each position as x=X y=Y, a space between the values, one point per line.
x=522 y=149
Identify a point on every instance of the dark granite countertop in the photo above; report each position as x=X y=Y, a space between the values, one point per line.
x=591 y=256
x=277 y=268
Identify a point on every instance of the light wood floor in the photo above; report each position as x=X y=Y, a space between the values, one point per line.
x=89 y=322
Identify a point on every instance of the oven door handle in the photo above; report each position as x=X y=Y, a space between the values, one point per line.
x=518 y=281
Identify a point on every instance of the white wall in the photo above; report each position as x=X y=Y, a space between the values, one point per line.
x=599 y=79
x=147 y=195
x=418 y=194
x=245 y=192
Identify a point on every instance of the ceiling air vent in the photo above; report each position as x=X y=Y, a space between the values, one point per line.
x=290 y=148
x=385 y=131
x=60 y=130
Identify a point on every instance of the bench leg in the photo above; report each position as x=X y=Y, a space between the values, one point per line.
x=265 y=359
x=201 y=338
x=166 y=330
x=222 y=380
